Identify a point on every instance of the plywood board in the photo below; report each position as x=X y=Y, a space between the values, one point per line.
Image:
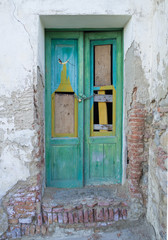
x=64 y=113
x=103 y=65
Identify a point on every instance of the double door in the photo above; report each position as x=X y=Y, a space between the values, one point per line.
x=83 y=108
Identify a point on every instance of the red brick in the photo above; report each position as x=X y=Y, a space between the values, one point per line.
x=65 y=217
x=124 y=204
x=106 y=214
x=10 y=211
x=45 y=217
x=86 y=220
x=103 y=203
x=38 y=229
x=80 y=206
x=163 y=109
x=39 y=219
x=116 y=214
x=137 y=115
x=32 y=229
x=90 y=215
x=69 y=209
x=124 y=213
x=47 y=209
x=27 y=230
x=91 y=205
x=55 y=219
x=99 y=215
x=70 y=217
x=58 y=210
x=13 y=221
x=111 y=214
x=60 y=218
x=50 y=218
x=43 y=229
x=75 y=217
x=80 y=214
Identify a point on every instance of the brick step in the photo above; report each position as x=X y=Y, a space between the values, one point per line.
x=105 y=211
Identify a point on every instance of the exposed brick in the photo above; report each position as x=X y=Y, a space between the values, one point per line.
x=90 y=215
x=60 y=218
x=32 y=229
x=111 y=214
x=70 y=217
x=58 y=210
x=55 y=219
x=106 y=214
x=39 y=219
x=99 y=216
x=103 y=203
x=47 y=209
x=10 y=211
x=163 y=109
x=27 y=230
x=45 y=217
x=38 y=229
x=69 y=209
x=15 y=231
x=80 y=214
x=25 y=220
x=124 y=213
x=80 y=206
x=43 y=229
x=65 y=217
x=75 y=217
x=50 y=218
x=13 y=221
x=92 y=204
x=116 y=214
x=86 y=220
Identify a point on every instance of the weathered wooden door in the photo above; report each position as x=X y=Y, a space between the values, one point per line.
x=83 y=108
x=103 y=113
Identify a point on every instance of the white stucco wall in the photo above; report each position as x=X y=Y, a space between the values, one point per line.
x=22 y=51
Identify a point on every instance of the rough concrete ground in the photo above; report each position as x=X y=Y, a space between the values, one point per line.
x=136 y=231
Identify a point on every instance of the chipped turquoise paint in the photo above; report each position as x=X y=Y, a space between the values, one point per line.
x=103 y=158
x=64 y=50
x=65 y=160
x=64 y=156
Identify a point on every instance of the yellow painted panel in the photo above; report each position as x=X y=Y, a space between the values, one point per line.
x=65 y=85
x=102 y=106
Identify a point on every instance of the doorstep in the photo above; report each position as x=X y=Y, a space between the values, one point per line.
x=89 y=206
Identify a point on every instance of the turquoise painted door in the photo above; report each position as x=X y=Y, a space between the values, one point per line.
x=83 y=111
x=103 y=113
x=64 y=117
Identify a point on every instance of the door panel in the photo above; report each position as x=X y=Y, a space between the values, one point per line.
x=103 y=112
x=64 y=118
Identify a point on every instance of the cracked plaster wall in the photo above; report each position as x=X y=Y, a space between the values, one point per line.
x=22 y=79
